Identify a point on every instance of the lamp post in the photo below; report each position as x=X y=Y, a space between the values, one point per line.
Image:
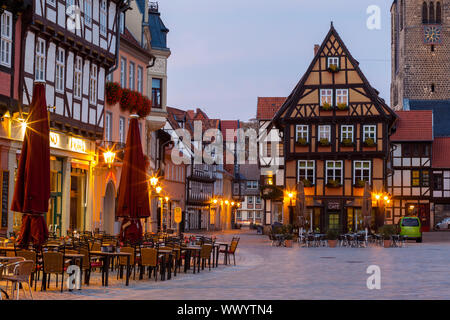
x=383 y=199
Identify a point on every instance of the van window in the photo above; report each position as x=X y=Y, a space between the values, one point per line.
x=410 y=223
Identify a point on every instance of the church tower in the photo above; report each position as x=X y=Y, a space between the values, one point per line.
x=420 y=48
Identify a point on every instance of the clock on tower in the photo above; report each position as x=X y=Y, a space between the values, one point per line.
x=432 y=34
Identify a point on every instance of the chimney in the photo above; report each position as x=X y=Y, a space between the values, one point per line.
x=316 y=49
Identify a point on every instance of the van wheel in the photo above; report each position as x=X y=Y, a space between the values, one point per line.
x=419 y=240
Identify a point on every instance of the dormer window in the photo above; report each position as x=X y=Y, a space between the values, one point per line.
x=333 y=62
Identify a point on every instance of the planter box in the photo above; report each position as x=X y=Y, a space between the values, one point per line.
x=387 y=243
x=332 y=243
x=288 y=243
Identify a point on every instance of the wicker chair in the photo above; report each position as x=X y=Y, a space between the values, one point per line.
x=149 y=259
x=232 y=250
x=21 y=274
x=123 y=262
x=31 y=255
x=53 y=263
x=205 y=254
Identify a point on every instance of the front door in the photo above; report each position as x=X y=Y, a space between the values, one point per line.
x=424 y=216
x=333 y=220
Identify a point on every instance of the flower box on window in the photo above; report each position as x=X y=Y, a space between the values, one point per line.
x=302 y=142
x=347 y=143
x=113 y=93
x=369 y=142
x=307 y=183
x=334 y=184
x=324 y=142
x=342 y=106
x=326 y=107
x=333 y=68
x=360 y=183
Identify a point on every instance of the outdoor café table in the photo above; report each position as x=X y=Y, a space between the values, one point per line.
x=216 y=250
x=106 y=261
x=6 y=249
x=187 y=257
x=165 y=253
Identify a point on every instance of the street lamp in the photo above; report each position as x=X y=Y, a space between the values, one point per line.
x=153 y=181
x=109 y=157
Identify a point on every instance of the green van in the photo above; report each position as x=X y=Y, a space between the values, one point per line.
x=410 y=227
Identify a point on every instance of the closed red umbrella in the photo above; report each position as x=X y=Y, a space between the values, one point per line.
x=32 y=189
x=133 y=200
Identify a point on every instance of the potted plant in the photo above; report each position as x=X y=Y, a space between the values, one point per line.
x=326 y=106
x=332 y=236
x=288 y=238
x=387 y=231
x=302 y=141
x=333 y=68
x=333 y=184
x=342 y=106
x=360 y=183
x=369 y=142
x=307 y=183
x=347 y=143
x=324 y=142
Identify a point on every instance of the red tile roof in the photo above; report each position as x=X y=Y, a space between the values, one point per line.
x=414 y=126
x=228 y=125
x=441 y=152
x=268 y=106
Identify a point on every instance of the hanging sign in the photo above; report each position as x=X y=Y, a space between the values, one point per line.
x=177 y=215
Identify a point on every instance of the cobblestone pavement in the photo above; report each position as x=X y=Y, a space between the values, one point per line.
x=419 y=271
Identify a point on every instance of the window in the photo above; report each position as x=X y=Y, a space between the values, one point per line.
x=333 y=61
x=325 y=132
x=109 y=77
x=425 y=178
x=431 y=13
x=122 y=130
x=40 y=60
x=156 y=92
x=108 y=126
x=123 y=68
x=438 y=13
x=250 y=200
x=302 y=132
x=424 y=12
x=122 y=22
x=6 y=39
x=346 y=133
x=420 y=178
x=342 y=96
x=334 y=171
x=78 y=75
x=416 y=150
x=60 y=70
x=131 y=76
x=361 y=171
x=103 y=17
x=258 y=200
x=140 y=85
x=51 y=2
x=326 y=96
x=370 y=132
x=306 y=171
x=438 y=181
x=252 y=184
x=93 y=84
x=88 y=12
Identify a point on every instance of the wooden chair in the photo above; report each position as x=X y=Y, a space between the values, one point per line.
x=149 y=259
x=53 y=263
x=31 y=255
x=232 y=249
x=205 y=254
x=21 y=274
x=123 y=262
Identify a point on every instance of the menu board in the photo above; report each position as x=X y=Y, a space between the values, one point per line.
x=5 y=196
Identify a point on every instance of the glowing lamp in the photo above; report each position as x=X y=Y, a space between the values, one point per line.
x=153 y=181
x=377 y=196
x=215 y=201
x=227 y=202
x=232 y=203
x=158 y=189
x=109 y=157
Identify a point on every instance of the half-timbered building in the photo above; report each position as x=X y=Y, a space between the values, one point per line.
x=336 y=137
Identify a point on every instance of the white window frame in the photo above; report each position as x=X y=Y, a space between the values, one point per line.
x=249 y=199
x=6 y=38
x=108 y=126
x=39 y=73
x=333 y=60
x=347 y=130
x=307 y=165
x=60 y=71
x=122 y=22
x=324 y=129
x=103 y=17
x=334 y=168
x=370 y=131
x=78 y=78
x=359 y=165
x=88 y=13
x=258 y=200
x=140 y=79
x=123 y=71
x=326 y=95
x=122 y=130
x=131 y=75
x=52 y=2
x=302 y=131
x=342 y=96
x=93 y=84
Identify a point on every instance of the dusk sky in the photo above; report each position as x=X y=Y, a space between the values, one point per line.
x=225 y=54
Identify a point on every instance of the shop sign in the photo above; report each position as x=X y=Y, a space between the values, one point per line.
x=334 y=205
x=177 y=215
x=54 y=140
x=77 y=145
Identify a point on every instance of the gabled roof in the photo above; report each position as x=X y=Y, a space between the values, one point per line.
x=441 y=152
x=294 y=97
x=157 y=29
x=413 y=126
x=441 y=114
x=268 y=106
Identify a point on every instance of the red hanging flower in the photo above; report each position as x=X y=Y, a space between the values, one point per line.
x=128 y=100
x=113 y=92
x=139 y=102
x=145 y=107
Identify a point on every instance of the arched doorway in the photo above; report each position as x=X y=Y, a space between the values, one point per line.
x=109 y=210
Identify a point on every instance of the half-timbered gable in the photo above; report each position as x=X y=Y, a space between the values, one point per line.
x=336 y=136
x=71 y=45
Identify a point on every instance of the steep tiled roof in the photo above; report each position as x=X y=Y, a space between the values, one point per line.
x=268 y=106
x=441 y=152
x=441 y=114
x=414 y=126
